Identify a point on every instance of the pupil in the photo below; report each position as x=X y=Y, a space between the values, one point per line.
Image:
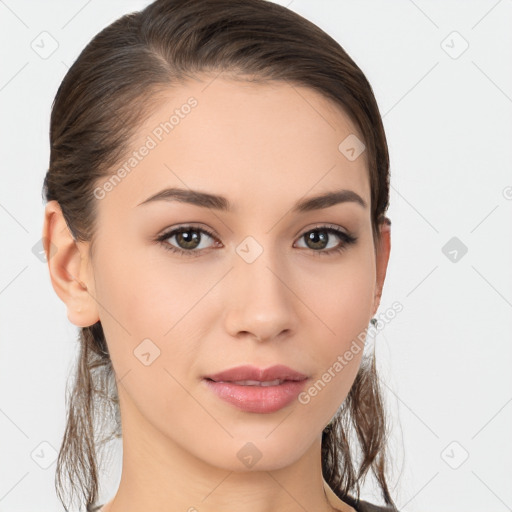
x=314 y=236
x=190 y=241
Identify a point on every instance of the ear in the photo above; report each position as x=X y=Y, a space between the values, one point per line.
x=382 y=257
x=70 y=268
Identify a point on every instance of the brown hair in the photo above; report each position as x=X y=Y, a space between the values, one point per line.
x=108 y=92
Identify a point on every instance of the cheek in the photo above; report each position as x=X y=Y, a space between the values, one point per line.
x=342 y=300
x=352 y=304
x=141 y=294
x=144 y=318
x=341 y=295
x=129 y=303
x=146 y=298
x=338 y=351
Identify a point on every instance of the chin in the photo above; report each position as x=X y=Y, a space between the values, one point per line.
x=251 y=452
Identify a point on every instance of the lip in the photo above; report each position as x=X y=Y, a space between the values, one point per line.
x=248 y=372
x=256 y=398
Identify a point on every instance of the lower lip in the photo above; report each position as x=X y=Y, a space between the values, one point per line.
x=260 y=399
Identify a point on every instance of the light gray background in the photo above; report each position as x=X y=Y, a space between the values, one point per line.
x=444 y=360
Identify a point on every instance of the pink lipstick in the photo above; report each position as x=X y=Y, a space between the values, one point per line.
x=252 y=389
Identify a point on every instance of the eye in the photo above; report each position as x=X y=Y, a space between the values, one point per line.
x=190 y=238
x=317 y=239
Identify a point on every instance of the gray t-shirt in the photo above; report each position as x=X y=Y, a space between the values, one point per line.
x=365 y=506
x=358 y=505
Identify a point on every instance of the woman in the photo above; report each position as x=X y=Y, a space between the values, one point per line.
x=215 y=224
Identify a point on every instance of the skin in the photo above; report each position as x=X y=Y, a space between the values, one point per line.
x=215 y=311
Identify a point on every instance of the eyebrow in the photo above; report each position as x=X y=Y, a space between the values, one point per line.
x=221 y=203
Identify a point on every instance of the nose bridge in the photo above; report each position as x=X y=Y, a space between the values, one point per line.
x=261 y=303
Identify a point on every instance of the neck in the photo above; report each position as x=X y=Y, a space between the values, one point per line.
x=162 y=476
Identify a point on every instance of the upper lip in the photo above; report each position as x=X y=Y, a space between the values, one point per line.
x=248 y=372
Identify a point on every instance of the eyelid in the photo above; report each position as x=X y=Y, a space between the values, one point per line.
x=166 y=233
x=321 y=225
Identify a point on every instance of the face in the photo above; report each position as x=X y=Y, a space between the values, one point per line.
x=260 y=283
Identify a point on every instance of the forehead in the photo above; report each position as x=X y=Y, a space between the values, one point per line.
x=251 y=142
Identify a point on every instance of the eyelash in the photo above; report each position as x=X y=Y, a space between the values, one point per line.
x=345 y=237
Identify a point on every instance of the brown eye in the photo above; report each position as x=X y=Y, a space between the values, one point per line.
x=188 y=240
x=318 y=239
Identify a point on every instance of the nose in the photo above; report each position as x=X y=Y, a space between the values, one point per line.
x=262 y=304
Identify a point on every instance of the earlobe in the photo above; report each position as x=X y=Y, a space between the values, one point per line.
x=69 y=268
x=382 y=259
